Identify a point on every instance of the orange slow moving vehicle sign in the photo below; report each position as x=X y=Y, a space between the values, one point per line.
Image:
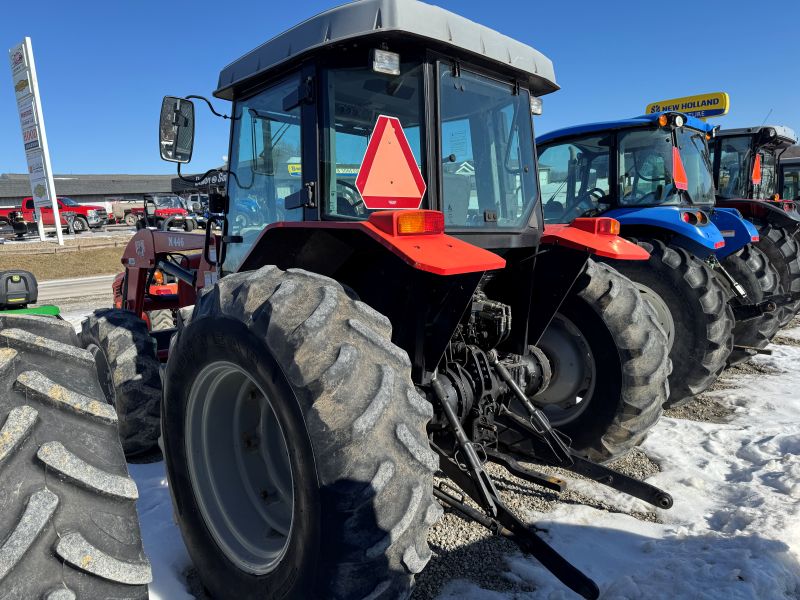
x=389 y=178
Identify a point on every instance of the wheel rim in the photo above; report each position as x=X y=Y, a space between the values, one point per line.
x=574 y=372
x=663 y=313
x=238 y=462
x=77 y=225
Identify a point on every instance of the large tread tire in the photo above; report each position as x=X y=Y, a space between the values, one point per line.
x=751 y=269
x=632 y=364
x=129 y=373
x=703 y=319
x=161 y=320
x=783 y=252
x=68 y=522
x=360 y=448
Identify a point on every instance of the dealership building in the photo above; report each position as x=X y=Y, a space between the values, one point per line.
x=103 y=189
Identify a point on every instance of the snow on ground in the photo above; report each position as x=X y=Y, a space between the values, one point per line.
x=734 y=532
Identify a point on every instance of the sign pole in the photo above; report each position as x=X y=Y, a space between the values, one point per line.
x=34 y=137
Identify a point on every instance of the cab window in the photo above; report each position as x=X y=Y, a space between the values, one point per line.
x=265 y=159
x=357 y=96
x=574 y=179
x=487 y=165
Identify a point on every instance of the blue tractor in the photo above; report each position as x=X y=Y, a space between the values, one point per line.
x=711 y=288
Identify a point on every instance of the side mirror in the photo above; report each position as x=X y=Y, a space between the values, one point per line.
x=176 y=129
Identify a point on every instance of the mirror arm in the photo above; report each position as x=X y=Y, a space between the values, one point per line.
x=210 y=106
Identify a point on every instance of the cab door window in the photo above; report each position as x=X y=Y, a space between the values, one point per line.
x=265 y=166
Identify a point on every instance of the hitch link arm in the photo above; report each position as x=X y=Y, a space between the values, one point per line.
x=484 y=484
x=507 y=524
x=599 y=473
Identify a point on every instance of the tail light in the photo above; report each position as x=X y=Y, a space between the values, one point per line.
x=718 y=245
x=409 y=222
x=598 y=225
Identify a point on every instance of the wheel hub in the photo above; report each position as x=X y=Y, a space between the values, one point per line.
x=574 y=372
x=239 y=467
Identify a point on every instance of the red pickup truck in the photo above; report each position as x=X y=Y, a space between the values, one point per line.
x=86 y=216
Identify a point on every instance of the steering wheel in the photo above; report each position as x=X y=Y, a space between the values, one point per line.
x=584 y=205
x=348 y=199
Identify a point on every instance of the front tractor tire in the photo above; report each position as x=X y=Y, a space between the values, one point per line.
x=693 y=309
x=610 y=363
x=125 y=354
x=68 y=522
x=296 y=443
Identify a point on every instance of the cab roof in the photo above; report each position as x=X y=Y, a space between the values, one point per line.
x=785 y=135
x=642 y=121
x=365 y=19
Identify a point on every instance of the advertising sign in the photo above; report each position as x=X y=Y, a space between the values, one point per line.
x=34 y=138
x=701 y=106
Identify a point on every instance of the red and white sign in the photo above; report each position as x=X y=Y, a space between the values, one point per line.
x=389 y=178
x=34 y=137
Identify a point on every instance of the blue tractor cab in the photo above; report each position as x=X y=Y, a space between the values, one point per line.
x=664 y=184
x=653 y=174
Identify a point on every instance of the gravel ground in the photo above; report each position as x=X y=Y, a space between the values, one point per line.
x=466 y=550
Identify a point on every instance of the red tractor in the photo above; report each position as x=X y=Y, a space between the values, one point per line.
x=332 y=352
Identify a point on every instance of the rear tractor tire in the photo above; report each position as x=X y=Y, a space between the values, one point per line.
x=610 y=364
x=125 y=354
x=68 y=521
x=288 y=377
x=751 y=269
x=691 y=302
x=783 y=251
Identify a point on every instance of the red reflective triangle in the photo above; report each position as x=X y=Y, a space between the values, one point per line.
x=755 y=177
x=389 y=177
x=678 y=172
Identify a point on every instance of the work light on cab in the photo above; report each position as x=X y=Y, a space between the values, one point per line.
x=385 y=62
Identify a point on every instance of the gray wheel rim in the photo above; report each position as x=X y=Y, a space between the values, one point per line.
x=239 y=467
x=663 y=313
x=77 y=225
x=574 y=372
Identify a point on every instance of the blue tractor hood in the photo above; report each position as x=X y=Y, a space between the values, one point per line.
x=701 y=240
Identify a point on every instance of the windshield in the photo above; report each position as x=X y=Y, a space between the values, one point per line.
x=699 y=173
x=168 y=202
x=68 y=202
x=488 y=169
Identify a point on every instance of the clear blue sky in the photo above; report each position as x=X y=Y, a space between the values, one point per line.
x=104 y=66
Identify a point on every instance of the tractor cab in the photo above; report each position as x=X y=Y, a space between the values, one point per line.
x=651 y=173
x=652 y=160
x=746 y=173
x=306 y=104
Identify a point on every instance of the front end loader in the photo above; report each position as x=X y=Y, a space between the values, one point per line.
x=354 y=336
